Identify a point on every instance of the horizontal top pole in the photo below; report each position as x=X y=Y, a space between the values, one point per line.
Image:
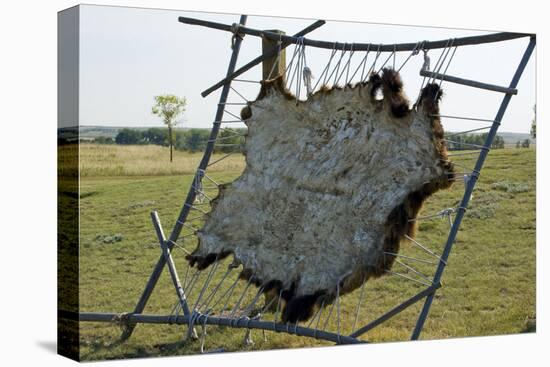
x=427 y=45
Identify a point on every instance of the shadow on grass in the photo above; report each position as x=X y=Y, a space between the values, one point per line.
x=157 y=350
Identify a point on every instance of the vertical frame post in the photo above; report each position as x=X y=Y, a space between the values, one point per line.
x=470 y=187
x=274 y=66
x=153 y=279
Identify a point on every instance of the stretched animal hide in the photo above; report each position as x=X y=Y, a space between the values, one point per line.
x=330 y=185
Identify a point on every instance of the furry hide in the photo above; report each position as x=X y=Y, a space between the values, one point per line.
x=330 y=185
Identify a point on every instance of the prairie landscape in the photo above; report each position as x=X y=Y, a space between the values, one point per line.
x=488 y=287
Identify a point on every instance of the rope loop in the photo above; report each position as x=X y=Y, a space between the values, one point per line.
x=426 y=65
x=446 y=212
x=193 y=317
x=197 y=186
x=378 y=52
x=416 y=49
x=308 y=76
x=203 y=334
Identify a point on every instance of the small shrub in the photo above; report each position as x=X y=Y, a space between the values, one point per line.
x=484 y=211
x=511 y=187
x=483 y=205
x=107 y=239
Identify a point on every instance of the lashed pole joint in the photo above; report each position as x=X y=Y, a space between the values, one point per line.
x=172 y=268
x=271 y=53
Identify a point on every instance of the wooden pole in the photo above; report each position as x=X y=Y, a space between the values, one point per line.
x=170 y=262
x=192 y=333
x=260 y=58
x=274 y=66
x=202 y=319
x=469 y=83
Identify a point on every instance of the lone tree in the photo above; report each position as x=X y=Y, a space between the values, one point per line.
x=169 y=107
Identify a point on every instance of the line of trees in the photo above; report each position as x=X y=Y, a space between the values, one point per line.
x=192 y=140
x=460 y=142
x=523 y=144
x=231 y=140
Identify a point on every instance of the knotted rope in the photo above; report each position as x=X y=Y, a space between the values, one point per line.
x=236 y=34
x=426 y=64
x=122 y=320
x=308 y=76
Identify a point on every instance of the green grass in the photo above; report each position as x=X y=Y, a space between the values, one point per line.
x=488 y=287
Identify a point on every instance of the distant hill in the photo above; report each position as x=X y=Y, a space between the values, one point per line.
x=512 y=138
x=92 y=132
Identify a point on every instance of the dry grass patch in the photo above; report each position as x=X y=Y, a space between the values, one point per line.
x=141 y=160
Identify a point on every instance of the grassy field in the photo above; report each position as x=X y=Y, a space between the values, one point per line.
x=139 y=160
x=488 y=287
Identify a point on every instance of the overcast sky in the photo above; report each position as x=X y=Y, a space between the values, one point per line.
x=129 y=55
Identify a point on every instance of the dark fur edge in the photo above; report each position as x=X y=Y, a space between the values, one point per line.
x=389 y=82
x=397 y=225
x=429 y=102
x=392 y=90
